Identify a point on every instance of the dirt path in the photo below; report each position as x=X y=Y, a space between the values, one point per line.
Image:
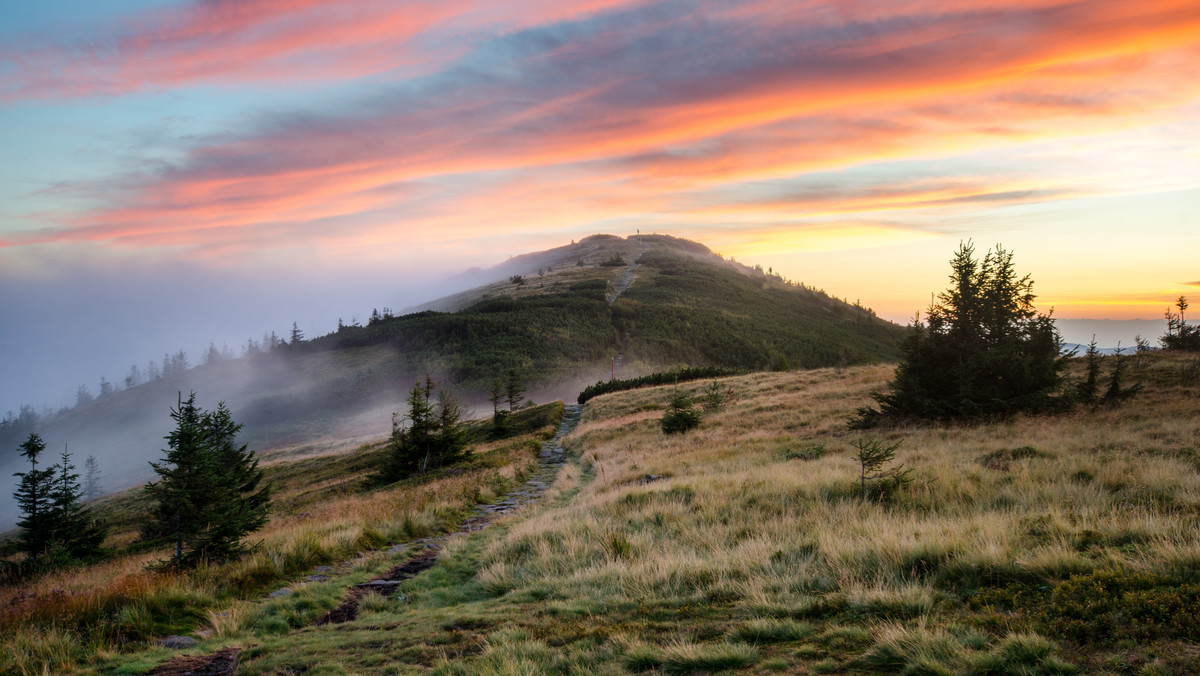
x=626 y=279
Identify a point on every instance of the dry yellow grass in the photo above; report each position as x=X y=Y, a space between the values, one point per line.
x=736 y=522
x=748 y=524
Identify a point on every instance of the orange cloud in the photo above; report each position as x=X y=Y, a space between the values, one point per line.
x=673 y=118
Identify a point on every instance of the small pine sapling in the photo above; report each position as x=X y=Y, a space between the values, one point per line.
x=714 y=397
x=680 y=416
x=1116 y=391
x=1139 y=356
x=873 y=457
x=1090 y=385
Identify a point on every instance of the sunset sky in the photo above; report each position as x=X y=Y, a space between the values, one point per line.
x=270 y=161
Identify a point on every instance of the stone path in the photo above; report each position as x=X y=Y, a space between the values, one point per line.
x=221 y=663
x=550 y=458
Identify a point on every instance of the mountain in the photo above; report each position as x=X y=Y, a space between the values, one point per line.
x=564 y=318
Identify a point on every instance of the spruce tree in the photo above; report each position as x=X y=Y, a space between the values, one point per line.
x=680 y=416
x=409 y=446
x=499 y=416
x=434 y=435
x=1117 y=391
x=53 y=518
x=451 y=436
x=241 y=504
x=186 y=480
x=72 y=527
x=91 y=478
x=1091 y=382
x=208 y=496
x=514 y=390
x=1180 y=335
x=34 y=496
x=982 y=351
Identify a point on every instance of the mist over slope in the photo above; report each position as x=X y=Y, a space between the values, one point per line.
x=563 y=318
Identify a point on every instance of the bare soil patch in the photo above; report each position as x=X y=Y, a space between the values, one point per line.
x=221 y=663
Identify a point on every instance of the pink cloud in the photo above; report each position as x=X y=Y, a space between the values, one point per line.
x=267 y=42
x=646 y=118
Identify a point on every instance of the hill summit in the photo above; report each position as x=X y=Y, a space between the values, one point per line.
x=563 y=319
x=649 y=302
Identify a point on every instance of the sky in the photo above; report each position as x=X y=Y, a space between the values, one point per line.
x=174 y=173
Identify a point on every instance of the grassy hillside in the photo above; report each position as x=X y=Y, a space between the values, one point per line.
x=1038 y=545
x=683 y=306
x=562 y=326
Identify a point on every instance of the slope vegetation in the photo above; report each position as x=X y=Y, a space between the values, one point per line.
x=563 y=318
x=1038 y=545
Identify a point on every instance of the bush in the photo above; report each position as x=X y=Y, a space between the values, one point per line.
x=1106 y=606
x=1110 y=604
x=664 y=378
x=813 y=452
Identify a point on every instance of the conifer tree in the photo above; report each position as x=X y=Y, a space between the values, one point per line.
x=1091 y=382
x=680 y=416
x=72 y=527
x=91 y=478
x=984 y=350
x=1117 y=391
x=497 y=395
x=499 y=416
x=434 y=435
x=1180 y=335
x=185 y=481
x=513 y=389
x=212 y=355
x=34 y=498
x=208 y=496
x=241 y=504
x=53 y=518
x=451 y=437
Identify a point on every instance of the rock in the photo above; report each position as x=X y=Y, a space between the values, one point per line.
x=650 y=478
x=179 y=642
x=280 y=593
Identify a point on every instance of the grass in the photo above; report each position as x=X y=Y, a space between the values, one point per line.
x=1036 y=545
x=322 y=513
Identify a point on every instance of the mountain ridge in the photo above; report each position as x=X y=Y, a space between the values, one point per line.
x=551 y=315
